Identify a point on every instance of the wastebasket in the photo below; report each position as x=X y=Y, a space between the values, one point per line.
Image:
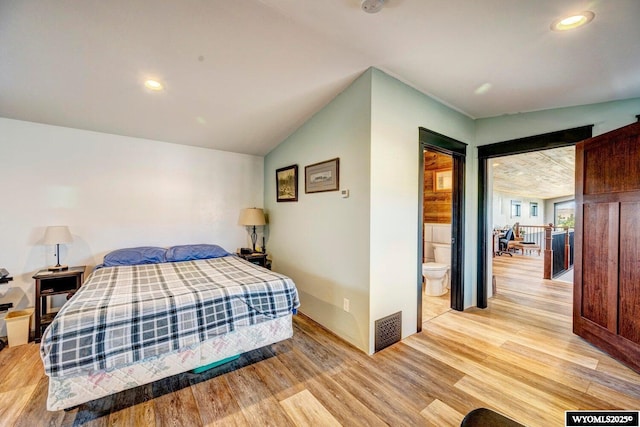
x=18 y=326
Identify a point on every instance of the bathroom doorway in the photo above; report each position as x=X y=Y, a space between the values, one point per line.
x=441 y=222
x=436 y=233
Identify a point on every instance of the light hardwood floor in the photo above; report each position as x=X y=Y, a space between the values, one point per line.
x=518 y=357
x=434 y=306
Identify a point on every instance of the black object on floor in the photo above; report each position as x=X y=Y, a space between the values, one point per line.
x=483 y=417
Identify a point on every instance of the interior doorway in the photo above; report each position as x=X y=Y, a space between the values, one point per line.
x=436 y=234
x=487 y=155
x=524 y=190
x=456 y=150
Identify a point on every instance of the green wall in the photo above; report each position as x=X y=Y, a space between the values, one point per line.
x=322 y=240
x=605 y=116
x=364 y=248
x=397 y=112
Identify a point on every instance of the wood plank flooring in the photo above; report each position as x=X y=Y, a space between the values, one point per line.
x=517 y=357
x=434 y=306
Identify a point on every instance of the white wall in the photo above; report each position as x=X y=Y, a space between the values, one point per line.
x=434 y=233
x=322 y=241
x=113 y=192
x=502 y=210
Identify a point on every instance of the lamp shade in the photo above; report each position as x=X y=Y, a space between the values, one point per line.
x=252 y=216
x=57 y=234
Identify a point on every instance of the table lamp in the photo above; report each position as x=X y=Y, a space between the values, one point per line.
x=54 y=235
x=252 y=217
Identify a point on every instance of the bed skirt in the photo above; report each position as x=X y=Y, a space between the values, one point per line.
x=70 y=391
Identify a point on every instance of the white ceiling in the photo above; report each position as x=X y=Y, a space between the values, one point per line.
x=241 y=75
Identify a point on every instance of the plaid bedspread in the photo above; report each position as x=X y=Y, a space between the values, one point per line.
x=123 y=315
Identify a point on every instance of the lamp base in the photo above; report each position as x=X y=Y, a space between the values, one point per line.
x=58 y=268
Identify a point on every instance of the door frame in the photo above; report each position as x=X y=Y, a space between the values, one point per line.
x=434 y=141
x=527 y=144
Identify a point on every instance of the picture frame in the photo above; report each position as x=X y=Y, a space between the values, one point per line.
x=287 y=184
x=322 y=176
x=442 y=180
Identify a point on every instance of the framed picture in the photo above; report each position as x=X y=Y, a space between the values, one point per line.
x=287 y=184
x=442 y=180
x=323 y=176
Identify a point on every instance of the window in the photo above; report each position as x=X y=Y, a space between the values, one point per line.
x=564 y=214
x=516 y=209
x=533 y=209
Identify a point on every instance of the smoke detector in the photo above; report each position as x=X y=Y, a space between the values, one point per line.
x=372 y=6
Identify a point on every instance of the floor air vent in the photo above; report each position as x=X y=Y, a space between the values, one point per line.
x=388 y=330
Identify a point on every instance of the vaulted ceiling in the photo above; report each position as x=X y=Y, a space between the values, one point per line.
x=242 y=75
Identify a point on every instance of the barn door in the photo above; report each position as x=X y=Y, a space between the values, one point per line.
x=606 y=309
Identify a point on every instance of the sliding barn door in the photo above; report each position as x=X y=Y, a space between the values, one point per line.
x=606 y=309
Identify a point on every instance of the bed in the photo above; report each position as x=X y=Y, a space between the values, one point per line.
x=159 y=312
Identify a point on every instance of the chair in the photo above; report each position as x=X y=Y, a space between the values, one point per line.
x=511 y=239
x=517 y=237
x=503 y=243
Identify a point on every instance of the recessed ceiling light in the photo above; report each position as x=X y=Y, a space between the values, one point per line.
x=482 y=89
x=153 y=85
x=572 y=21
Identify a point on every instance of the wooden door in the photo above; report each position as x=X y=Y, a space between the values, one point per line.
x=606 y=309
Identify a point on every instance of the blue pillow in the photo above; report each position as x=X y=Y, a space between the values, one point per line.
x=135 y=256
x=191 y=252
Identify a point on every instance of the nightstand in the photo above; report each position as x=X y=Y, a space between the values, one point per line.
x=257 y=258
x=50 y=283
x=6 y=306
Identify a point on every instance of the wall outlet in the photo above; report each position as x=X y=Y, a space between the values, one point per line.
x=346 y=305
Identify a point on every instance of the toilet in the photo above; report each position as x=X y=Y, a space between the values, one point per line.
x=442 y=254
x=435 y=278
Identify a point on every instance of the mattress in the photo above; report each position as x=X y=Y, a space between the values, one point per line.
x=126 y=314
x=72 y=390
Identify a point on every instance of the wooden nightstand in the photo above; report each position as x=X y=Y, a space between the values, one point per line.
x=257 y=258
x=50 y=283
